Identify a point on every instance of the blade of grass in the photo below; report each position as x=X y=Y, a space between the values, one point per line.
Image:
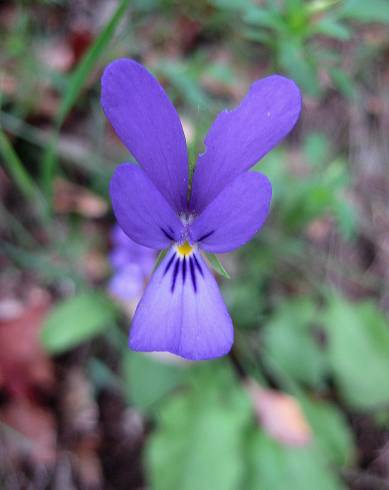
x=19 y=174
x=10 y=222
x=89 y=60
x=76 y=82
x=161 y=256
x=90 y=161
x=45 y=264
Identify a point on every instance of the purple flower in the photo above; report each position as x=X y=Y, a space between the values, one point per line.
x=125 y=251
x=131 y=264
x=182 y=310
x=127 y=283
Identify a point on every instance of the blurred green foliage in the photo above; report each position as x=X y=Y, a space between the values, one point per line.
x=274 y=466
x=76 y=320
x=202 y=431
x=291 y=29
x=359 y=333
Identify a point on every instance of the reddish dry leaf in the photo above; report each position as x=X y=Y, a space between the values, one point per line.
x=80 y=430
x=187 y=30
x=319 y=229
x=8 y=84
x=88 y=467
x=8 y=15
x=47 y=103
x=95 y=266
x=31 y=431
x=280 y=415
x=78 y=407
x=57 y=55
x=80 y=40
x=23 y=363
x=70 y=197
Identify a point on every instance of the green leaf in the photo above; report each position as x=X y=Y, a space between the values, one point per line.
x=294 y=6
x=76 y=320
x=295 y=59
x=101 y=376
x=346 y=217
x=262 y=17
x=75 y=85
x=365 y=11
x=232 y=5
x=244 y=300
x=276 y=467
x=309 y=199
x=316 y=149
x=332 y=434
x=217 y=265
x=148 y=380
x=343 y=82
x=288 y=334
x=259 y=36
x=358 y=352
x=332 y=28
x=184 y=78
x=200 y=434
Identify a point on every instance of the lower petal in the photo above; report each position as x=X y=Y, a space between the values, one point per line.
x=182 y=311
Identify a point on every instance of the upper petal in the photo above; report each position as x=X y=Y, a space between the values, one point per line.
x=182 y=312
x=239 y=138
x=141 y=210
x=147 y=123
x=235 y=215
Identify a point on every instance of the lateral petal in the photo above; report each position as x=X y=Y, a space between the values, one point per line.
x=141 y=210
x=235 y=215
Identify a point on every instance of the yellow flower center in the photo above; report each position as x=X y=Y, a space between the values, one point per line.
x=185 y=249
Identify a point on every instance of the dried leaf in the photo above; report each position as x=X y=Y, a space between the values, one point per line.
x=78 y=407
x=35 y=435
x=280 y=415
x=56 y=55
x=23 y=363
x=69 y=197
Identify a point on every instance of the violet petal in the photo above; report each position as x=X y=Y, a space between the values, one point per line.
x=127 y=283
x=239 y=138
x=141 y=210
x=235 y=215
x=148 y=125
x=182 y=312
